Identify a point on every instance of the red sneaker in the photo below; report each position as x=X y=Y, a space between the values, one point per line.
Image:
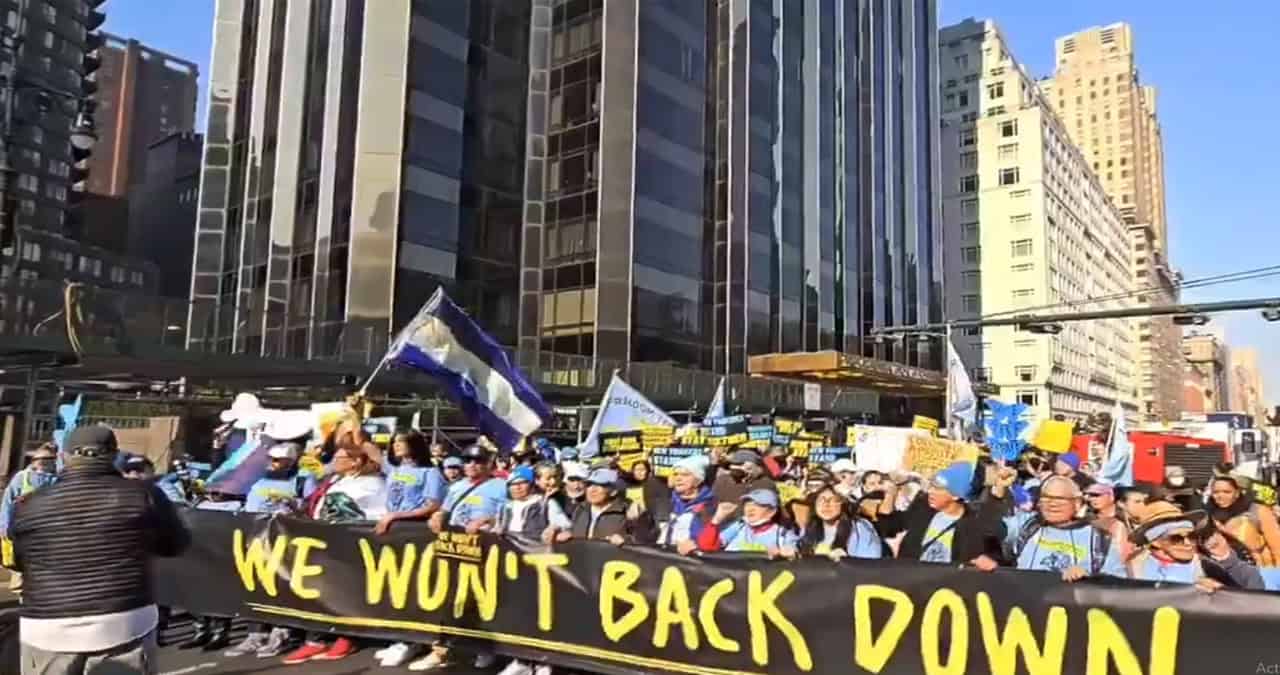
x=341 y=649
x=306 y=652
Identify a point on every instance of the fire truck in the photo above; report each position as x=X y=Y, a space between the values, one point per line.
x=1154 y=453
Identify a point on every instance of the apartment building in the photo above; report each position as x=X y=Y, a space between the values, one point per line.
x=1111 y=115
x=1027 y=226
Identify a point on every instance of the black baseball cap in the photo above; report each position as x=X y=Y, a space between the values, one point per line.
x=475 y=452
x=91 y=441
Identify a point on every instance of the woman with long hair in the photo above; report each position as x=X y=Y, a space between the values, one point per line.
x=652 y=493
x=1254 y=526
x=835 y=531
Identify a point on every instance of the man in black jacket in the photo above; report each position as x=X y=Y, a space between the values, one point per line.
x=943 y=525
x=83 y=546
x=608 y=515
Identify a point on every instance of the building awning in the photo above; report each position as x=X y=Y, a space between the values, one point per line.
x=885 y=377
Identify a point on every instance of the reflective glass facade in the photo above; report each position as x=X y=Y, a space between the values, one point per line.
x=766 y=179
x=362 y=155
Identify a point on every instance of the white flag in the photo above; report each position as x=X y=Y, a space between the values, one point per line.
x=622 y=409
x=716 y=409
x=1117 y=468
x=962 y=403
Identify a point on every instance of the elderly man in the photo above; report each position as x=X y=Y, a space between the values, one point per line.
x=87 y=606
x=1168 y=539
x=1055 y=538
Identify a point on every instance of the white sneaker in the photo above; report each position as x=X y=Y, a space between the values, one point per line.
x=398 y=654
x=432 y=661
x=543 y=669
x=516 y=667
x=485 y=660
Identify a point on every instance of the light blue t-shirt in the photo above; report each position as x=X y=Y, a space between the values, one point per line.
x=938 y=538
x=1177 y=573
x=1055 y=549
x=864 y=542
x=739 y=536
x=485 y=501
x=1270 y=578
x=409 y=488
x=278 y=495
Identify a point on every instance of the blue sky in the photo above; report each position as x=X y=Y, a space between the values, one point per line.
x=1218 y=94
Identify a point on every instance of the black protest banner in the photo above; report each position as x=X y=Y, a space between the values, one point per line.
x=665 y=459
x=829 y=454
x=626 y=446
x=759 y=436
x=593 y=606
x=725 y=432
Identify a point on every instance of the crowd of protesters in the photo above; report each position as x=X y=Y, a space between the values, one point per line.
x=1045 y=513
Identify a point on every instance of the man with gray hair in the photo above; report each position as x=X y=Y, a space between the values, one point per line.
x=83 y=546
x=1056 y=538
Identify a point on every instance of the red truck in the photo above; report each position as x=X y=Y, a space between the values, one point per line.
x=1154 y=453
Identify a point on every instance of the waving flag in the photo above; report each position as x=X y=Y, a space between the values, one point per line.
x=716 y=409
x=962 y=403
x=1117 y=468
x=443 y=342
x=622 y=409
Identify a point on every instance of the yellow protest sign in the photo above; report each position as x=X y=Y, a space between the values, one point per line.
x=1054 y=436
x=656 y=436
x=927 y=455
x=925 y=424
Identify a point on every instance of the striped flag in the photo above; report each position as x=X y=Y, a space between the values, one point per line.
x=473 y=369
x=1117 y=468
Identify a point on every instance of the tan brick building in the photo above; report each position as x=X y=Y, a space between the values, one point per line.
x=1111 y=115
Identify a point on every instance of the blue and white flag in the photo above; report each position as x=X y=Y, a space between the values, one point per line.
x=716 y=409
x=443 y=342
x=1117 y=468
x=622 y=409
x=962 y=403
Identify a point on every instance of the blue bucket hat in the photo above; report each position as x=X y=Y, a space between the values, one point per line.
x=956 y=479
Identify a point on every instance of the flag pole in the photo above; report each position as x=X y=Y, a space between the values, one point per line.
x=369 y=380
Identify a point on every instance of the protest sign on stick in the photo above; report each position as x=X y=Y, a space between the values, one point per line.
x=926 y=455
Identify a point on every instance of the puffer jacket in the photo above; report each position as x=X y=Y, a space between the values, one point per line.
x=83 y=543
x=613 y=520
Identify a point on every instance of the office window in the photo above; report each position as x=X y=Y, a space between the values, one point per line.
x=1029 y=397
x=50 y=13
x=1022 y=267
x=995 y=90
x=971 y=254
x=962 y=61
x=117 y=274
x=968 y=208
x=1025 y=373
x=136 y=277
x=969 y=160
x=967 y=138
x=1022 y=296
x=969 y=280
x=962 y=99
x=1009 y=128
x=1008 y=151
x=969 y=183
x=970 y=303
x=1021 y=248
x=1020 y=219
x=969 y=232
x=971 y=331
x=1009 y=176
x=31 y=251
x=29 y=183
x=49 y=40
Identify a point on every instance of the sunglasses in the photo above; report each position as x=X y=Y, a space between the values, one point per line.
x=1179 y=539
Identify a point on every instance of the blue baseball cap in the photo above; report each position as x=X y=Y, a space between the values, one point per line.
x=762 y=497
x=603 y=477
x=454 y=462
x=1070 y=459
x=522 y=474
x=956 y=479
x=568 y=452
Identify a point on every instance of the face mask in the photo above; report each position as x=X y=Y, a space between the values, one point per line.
x=756 y=523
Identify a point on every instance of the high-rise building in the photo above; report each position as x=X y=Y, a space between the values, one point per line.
x=57 y=54
x=162 y=210
x=1111 y=114
x=709 y=181
x=1205 y=385
x=359 y=154
x=1028 y=227
x=1245 y=381
x=143 y=95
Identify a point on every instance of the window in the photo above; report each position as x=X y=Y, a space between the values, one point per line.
x=55 y=191
x=49 y=40
x=969 y=160
x=37 y=135
x=1022 y=296
x=969 y=280
x=1025 y=373
x=971 y=254
x=136 y=277
x=1008 y=151
x=1124 y=161
x=1030 y=397
x=962 y=99
x=971 y=331
x=970 y=303
x=50 y=13
x=117 y=274
x=1124 y=199
x=995 y=90
x=31 y=251
x=1020 y=219
x=29 y=183
x=967 y=138
x=1020 y=193
x=969 y=183
x=1009 y=176
x=1022 y=267
x=962 y=61
x=1009 y=128
x=46 y=62
x=969 y=232
x=968 y=208
x=1021 y=248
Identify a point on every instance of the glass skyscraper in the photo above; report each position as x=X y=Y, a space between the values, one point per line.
x=713 y=180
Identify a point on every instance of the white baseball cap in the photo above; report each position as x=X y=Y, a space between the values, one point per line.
x=843 y=466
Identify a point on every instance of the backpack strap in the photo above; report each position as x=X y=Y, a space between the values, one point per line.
x=1101 y=543
x=1028 y=531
